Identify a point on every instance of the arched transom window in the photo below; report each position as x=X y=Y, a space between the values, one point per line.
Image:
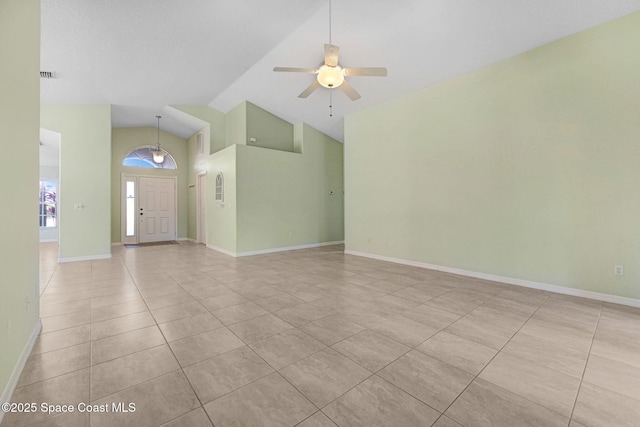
x=143 y=157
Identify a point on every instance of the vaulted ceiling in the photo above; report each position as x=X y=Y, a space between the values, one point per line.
x=143 y=55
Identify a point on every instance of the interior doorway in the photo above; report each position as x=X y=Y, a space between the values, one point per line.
x=201 y=208
x=149 y=209
x=49 y=201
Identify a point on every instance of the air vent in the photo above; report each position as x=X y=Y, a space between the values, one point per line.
x=47 y=75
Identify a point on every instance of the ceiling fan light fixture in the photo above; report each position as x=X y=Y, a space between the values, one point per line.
x=330 y=77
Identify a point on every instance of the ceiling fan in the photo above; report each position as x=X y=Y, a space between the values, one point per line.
x=330 y=74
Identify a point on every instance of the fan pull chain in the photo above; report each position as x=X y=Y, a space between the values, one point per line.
x=330 y=103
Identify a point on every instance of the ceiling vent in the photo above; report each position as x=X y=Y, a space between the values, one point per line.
x=47 y=75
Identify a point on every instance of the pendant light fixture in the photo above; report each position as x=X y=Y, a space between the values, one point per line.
x=156 y=152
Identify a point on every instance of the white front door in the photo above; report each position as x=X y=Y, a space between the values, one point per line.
x=157 y=209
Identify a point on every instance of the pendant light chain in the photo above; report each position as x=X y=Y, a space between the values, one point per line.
x=330 y=22
x=157 y=154
x=158 y=117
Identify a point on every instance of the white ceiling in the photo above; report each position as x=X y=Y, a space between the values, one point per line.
x=143 y=55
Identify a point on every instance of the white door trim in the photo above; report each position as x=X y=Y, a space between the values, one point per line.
x=199 y=201
x=123 y=219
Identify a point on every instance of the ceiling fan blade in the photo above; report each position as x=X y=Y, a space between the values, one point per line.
x=331 y=52
x=295 y=70
x=366 y=71
x=313 y=86
x=350 y=91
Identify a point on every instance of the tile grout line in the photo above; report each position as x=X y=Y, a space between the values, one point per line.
x=91 y=353
x=586 y=363
x=494 y=356
x=50 y=276
x=180 y=271
x=166 y=342
x=549 y=295
x=411 y=348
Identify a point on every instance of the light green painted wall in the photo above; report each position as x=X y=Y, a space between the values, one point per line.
x=196 y=163
x=216 y=131
x=236 y=125
x=269 y=130
x=283 y=198
x=85 y=177
x=252 y=218
x=19 y=136
x=242 y=122
x=126 y=139
x=527 y=168
x=192 y=226
x=221 y=217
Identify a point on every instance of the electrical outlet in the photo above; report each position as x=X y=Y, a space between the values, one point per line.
x=618 y=270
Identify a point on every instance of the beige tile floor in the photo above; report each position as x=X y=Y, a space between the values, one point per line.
x=316 y=338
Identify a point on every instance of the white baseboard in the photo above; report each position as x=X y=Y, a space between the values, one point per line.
x=83 y=258
x=116 y=243
x=288 y=248
x=224 y=251
x=17 y=370
x=48 y=240
x=508 y=280
x=186 y=239
x=273 y=250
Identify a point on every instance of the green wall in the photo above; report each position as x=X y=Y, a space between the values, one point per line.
x=85 y=178
x=126 y=139
x=525 y=169
x=236 y=125
x=192 y=158
x=221 y=217
x=214 y=120
x=274 y=197
x=19 y=135
x=269 y=130
x=196 y=163
x=246 y=120
x=242 y=122
x=277 y=199
x=283 y=198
